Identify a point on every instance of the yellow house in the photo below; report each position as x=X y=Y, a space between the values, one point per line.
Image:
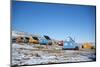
x=33 y=41
x=87 y=46
x=19 y=39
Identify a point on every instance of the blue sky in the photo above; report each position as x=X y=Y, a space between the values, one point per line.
x=55 y=20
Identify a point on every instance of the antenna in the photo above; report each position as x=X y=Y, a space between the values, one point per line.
x=74 y=38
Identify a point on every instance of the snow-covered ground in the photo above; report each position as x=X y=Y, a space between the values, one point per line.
x=24 y=54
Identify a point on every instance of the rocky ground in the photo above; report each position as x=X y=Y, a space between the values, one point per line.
x=24 y=54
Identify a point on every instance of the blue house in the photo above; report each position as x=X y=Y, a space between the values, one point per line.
x=69 y=44
x=43 y=41
x=46 y=40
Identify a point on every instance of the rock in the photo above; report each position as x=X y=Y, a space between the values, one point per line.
x=37 y=55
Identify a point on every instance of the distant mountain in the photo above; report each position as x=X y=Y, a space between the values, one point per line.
x=23 y=34
x=18 y=33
